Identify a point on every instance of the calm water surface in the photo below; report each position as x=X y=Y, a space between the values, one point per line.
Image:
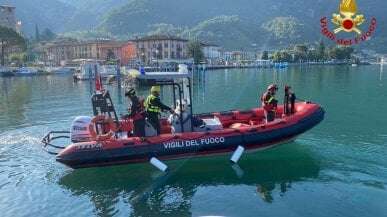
x=337 y=169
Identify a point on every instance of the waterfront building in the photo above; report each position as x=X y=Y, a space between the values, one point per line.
x=226 y=56
x=155 y=48
x=259 y=53
x=238 y=57
x=243 y=55
x=128 y=53
x=212 y=53
x=9 y=51
x=65 y=51
x=7 y=17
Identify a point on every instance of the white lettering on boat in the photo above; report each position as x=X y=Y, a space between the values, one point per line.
x=89 y=146
x=193 y=143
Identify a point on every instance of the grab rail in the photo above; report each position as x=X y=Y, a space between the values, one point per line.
x=51 y=136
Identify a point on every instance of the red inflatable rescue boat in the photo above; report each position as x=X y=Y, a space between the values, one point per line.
x=222 y=132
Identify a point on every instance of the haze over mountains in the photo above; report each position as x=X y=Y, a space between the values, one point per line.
x=233 y=24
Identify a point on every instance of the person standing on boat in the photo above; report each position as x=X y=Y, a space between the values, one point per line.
x=289 y=101
x=137 y=113
x=154 y=107
x=269 y=103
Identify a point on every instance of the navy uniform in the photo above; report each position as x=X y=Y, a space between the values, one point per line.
x=137 y=113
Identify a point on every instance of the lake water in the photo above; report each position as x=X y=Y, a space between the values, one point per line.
x=337 y=169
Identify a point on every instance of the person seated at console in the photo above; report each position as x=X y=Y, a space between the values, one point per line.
x=182 y=115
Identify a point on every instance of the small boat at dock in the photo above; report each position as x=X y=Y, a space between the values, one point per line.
x=26 y=71
x=6 y=72
x=88 y=70
x=58 y=70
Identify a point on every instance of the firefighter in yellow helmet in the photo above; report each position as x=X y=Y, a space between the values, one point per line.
x=269 y=103
x=154 y=107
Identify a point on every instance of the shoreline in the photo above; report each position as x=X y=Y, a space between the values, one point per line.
x=206 y=67
x=216 y=67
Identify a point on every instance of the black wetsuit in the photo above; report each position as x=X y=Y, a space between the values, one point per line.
x=138 y=115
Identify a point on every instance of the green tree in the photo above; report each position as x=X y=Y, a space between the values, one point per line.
x=10 y=38
x=321 y=51
x=37 y=33
x=265 y=55
x=302 y=48
x=282 y=56
x=286 y=57
x=195 y=51
x=341 y=53
x=164 y=29
x=276 y=56
x=87 y=35
x=18 y=58
x=300 y=52
x=313 y=55
x=348 y=51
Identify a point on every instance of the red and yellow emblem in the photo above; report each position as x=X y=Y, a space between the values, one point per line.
x=348 y=20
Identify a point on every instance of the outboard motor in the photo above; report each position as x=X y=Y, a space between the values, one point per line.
x=79 y=131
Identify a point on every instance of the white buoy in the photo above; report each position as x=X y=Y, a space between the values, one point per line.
x=237 y=154
x=158 y=164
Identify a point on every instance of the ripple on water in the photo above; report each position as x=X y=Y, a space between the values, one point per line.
x=4 y=184
x=356 y=159
x=21 y=156
x=383 y=137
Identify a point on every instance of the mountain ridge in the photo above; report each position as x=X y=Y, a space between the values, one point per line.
x=263 y=22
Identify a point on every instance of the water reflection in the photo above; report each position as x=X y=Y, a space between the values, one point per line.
x=149 y=193
x=199 y=86
x=14 y=96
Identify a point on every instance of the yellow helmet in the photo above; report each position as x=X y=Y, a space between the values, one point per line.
x=155 y=89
